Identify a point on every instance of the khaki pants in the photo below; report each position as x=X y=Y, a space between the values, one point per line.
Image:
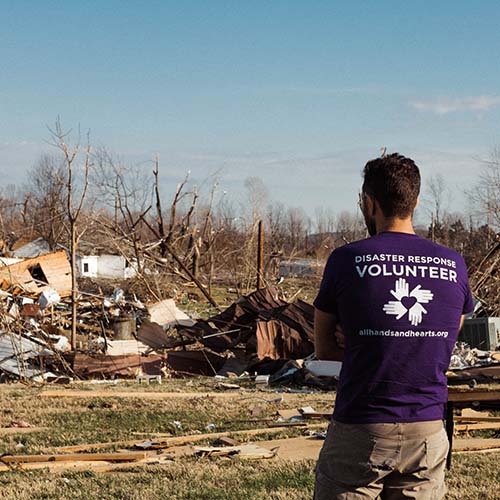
x=393 y=461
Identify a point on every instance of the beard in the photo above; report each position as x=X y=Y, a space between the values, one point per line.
x=371 y=226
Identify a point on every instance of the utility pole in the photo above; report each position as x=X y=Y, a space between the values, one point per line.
x=260 y=256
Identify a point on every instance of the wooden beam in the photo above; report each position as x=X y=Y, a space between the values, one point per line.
x=477 y=426
x=70 y=457
x=476 y=444
x=165 y=442
x=77 y=393
x=477 y=419
x=474 y=395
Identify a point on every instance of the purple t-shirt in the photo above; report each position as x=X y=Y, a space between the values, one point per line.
x=399 y=299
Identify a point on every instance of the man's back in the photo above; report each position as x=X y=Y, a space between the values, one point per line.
x=399 y=299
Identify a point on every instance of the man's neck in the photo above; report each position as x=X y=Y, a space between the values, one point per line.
x=396 y=226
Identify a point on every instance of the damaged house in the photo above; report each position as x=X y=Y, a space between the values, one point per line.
x=106 y=267
x=38 y=274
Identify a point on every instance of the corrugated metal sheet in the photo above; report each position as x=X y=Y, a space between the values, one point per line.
x=261 y=321
x=32 y=249
x=16 y=351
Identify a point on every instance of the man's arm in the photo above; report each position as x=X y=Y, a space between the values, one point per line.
x=327 y=334
x=461 y=322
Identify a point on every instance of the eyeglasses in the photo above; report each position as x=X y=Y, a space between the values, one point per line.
x=361 y=200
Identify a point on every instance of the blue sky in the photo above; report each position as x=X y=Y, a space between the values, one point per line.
x=298 y=93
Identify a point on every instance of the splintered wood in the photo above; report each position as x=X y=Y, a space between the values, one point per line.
x=37 y=274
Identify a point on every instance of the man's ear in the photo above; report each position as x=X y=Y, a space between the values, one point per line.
x=416 y=204
x=371 y=205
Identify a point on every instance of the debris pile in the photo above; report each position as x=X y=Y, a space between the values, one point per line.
x=260 y=336
x=260 y=323
x=473 y=366
x=485 y=282
x=122 y=337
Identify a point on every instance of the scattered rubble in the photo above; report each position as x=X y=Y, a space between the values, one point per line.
x=471 y=365
x=260 y=338
x=484 y=277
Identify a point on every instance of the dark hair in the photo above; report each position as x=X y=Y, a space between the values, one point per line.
x=394 y=181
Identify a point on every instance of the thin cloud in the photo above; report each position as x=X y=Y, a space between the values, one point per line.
x=445 y=105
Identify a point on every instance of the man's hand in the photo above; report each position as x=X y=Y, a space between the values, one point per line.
x=339 y=336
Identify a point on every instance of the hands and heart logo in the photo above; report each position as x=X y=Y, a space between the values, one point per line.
x=408 y=302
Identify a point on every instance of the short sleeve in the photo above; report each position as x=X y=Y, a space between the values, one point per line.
x=468 y=298
x=325 y=300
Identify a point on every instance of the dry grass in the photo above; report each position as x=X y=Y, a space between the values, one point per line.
x=108 y=418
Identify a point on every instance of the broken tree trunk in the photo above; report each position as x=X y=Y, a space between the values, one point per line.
x=169 y=249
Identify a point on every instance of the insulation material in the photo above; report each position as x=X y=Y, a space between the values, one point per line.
x=123 y=347
x=167 y=314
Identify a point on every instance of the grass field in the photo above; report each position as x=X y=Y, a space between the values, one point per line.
x=108 y=418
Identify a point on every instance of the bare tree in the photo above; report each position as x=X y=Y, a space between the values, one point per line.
x=350 y=227
x=435 y=198
x=484 y=194
x=257 y=196
x=13 y=219
x=297 y=224
x=74 y=203
x=46 y=194
x=324 y=220
x=276 y=228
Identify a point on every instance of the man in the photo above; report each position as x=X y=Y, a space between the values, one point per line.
x=395 y=302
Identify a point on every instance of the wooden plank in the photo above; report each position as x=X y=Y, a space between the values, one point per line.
x=469 y=412
x=318 y=415
x=56 y=466
x=72 y=393
x=107 y=457
x=75 y=393
x=167 y=441
x=477 y=426
x=55 y=267
x=473 y=395
x=246 y=451
x=286 y=413
x=485 y=450
x=475 y=444
x=476 y=419
x=95 y=466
